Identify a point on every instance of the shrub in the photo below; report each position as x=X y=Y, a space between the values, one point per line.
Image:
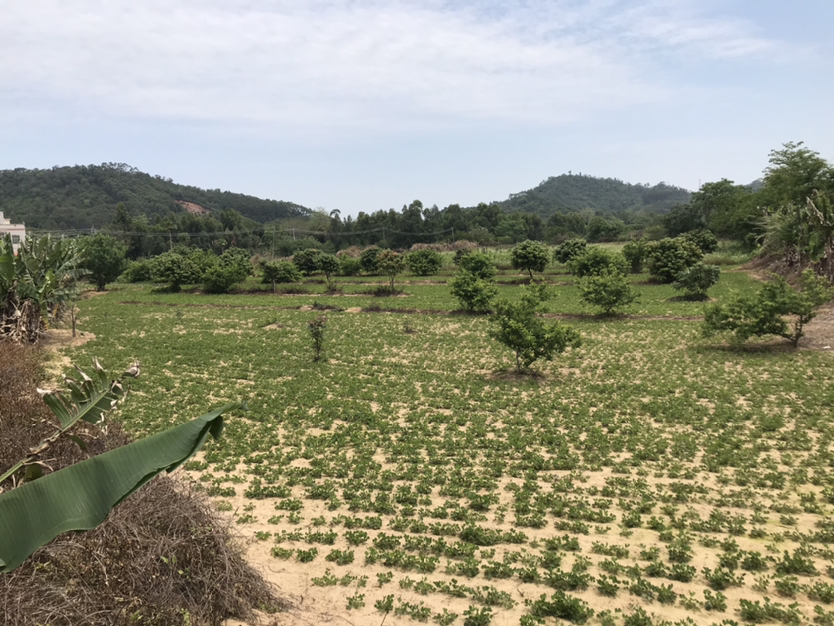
x=609 y=291
x=569 y=249
x=368 y=260
x=305 y=260
x=595 y=260
x=424 y=262
x=104 y=259
x=137 y=272
x=478 y=264
x=696 y=279
x=520 y=327
x=174 y=269
x=231 y=268
x=530 y=256
x=279 y=272
x=349 y=266
x=328 y=264
x=764 y=313
x=390 y=263
x=473 y=292
x=667 y=258
x=703 y=238
x=635 y=254
x=316 y=328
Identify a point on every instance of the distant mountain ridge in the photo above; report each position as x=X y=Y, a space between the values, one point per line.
x=574 y=192
x=85 y=196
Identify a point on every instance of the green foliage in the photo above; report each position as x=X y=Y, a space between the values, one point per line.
x=231 y=268
x=764 y=313
x=478 y=264
x=473 y=292
x=175 y=269
x=667 y=258
x=706 y=241
x=368 y=260
x=391 y=264
x=530 y=256
x=104 y=258
x=609 y=290
x=425 y=262
x=569 y=249
x=328 y=264
x=635 y=254
x=349 y=266
x=596 y=260
x=279 y=272
x=137 y=272
x=36 y=284
x=307 y=260
x=696 y=279
x=520 y=327
x=562 y=606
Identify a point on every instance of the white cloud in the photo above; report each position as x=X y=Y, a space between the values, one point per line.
x=346 y=66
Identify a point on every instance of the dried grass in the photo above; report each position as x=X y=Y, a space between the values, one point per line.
x=162 y=557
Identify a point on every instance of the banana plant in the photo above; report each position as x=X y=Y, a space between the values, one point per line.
x=80 y=496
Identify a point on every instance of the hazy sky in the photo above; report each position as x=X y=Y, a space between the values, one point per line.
x=360 y=105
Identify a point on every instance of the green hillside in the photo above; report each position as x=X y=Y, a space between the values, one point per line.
x=85 y=196
x=574 y=192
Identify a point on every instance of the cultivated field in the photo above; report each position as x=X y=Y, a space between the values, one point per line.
x=646 y=476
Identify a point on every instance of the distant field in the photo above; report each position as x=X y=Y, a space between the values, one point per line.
x=647 y=473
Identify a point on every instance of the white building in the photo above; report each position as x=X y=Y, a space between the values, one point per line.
x=17 y=231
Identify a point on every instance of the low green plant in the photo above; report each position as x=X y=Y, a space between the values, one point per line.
x=608 y=290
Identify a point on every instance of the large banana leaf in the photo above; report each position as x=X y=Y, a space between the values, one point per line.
x=80 y=496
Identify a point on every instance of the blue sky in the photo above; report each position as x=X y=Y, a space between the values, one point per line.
x=360 y=105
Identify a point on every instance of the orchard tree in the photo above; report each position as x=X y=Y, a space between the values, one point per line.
x=305 y=260
x=569 y=249
x=694 y=281
x=530 y=256
x=391 y=264
x=279 y=272
x=473 y=292
x=596 y=260
x=367 y=259
x=104 y=257
x=608 y=290
x=520 y=326
x=424 y=262
x=479 y=264
x=328 y=264
x=776 y=309
x=667 y=258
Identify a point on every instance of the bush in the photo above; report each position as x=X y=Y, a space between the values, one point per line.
x=104 y=257
x=425 y=262
x=368 y=260
x=704 y=239
x=328 y=264
x=764 y=313
x=635 y=254
x=667 y=258
x=695 y=280
x=530 y=256
x=473 y=292
x=595 y=260
x=609 y=291
x=231 y=268
x=390 y=263
x=478 y=264
x=569 y=250
x=349 y=266
x=137 y=272
x=174 y=269
x=279 y=272
x=521 y=328
x=305 y=260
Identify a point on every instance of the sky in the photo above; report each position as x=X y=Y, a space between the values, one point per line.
x=362 y=105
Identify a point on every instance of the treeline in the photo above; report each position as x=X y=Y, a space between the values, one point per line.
x=83 y=197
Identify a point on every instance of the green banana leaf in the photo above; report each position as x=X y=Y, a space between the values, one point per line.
x=80 y=496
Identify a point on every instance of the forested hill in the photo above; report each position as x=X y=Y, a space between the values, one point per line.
x=84 y=196
x=574 y=192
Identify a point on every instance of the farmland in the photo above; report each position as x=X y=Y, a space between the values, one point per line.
x=648 y=475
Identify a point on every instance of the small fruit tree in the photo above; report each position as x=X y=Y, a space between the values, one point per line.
x=520 y=326
x=530 y=256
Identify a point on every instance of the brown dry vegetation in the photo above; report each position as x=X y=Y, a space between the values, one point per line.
x=162 y=557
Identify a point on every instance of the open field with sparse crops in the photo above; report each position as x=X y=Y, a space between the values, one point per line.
x=412 y=477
